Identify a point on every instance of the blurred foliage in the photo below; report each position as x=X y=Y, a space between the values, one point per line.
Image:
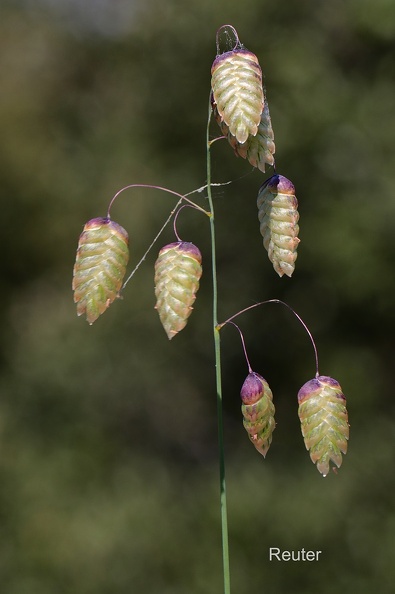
x=108 y=471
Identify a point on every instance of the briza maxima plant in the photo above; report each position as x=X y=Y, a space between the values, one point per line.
x=238 y=104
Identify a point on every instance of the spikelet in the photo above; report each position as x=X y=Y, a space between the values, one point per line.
x=177 y=273
x=236 y=83
x=259 y=149
x=258 y=411
x=324 y=421
x=100 y=266
x=278 y=217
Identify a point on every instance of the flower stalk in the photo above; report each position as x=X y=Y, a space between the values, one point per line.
x=218 y=376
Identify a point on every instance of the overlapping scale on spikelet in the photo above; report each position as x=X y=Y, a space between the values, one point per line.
x=259 y=149
x=258 y=411
x=177 y=273
x=278 y=217
x=236 y=83
x=324 y=421
x=100 y=266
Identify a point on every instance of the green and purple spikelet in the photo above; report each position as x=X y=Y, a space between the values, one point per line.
x=236 y=82
x=258 y=411
x=324 y=421
x=177 y=274
x=259 y=149
x=278 y=216
x=100 y=266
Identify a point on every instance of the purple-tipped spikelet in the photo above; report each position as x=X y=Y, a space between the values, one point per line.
x=259 y=149
x=177 y=273
x=324 y=421
x=236 y=83
x=100 y=266
x=258 y=411
x=278 y=217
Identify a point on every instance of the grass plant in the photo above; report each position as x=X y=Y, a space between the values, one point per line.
x=238 y=103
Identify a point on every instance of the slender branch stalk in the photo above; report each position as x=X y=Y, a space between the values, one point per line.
x=151 y=245
x=243 y=345
x=153 y=187
x=218 y=378
x=229 y=320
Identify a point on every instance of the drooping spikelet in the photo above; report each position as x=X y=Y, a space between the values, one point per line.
x=100 y=266
x=177 y=273
x=258 y=411
x=324 y=421
x=236 y=83
x=278 y=217
x=258 y=149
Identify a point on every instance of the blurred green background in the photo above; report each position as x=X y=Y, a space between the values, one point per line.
x=108 y=453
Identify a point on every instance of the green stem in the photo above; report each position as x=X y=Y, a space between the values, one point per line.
x=218 y=378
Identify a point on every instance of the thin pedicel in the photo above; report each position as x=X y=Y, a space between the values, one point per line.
x=254 y=305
